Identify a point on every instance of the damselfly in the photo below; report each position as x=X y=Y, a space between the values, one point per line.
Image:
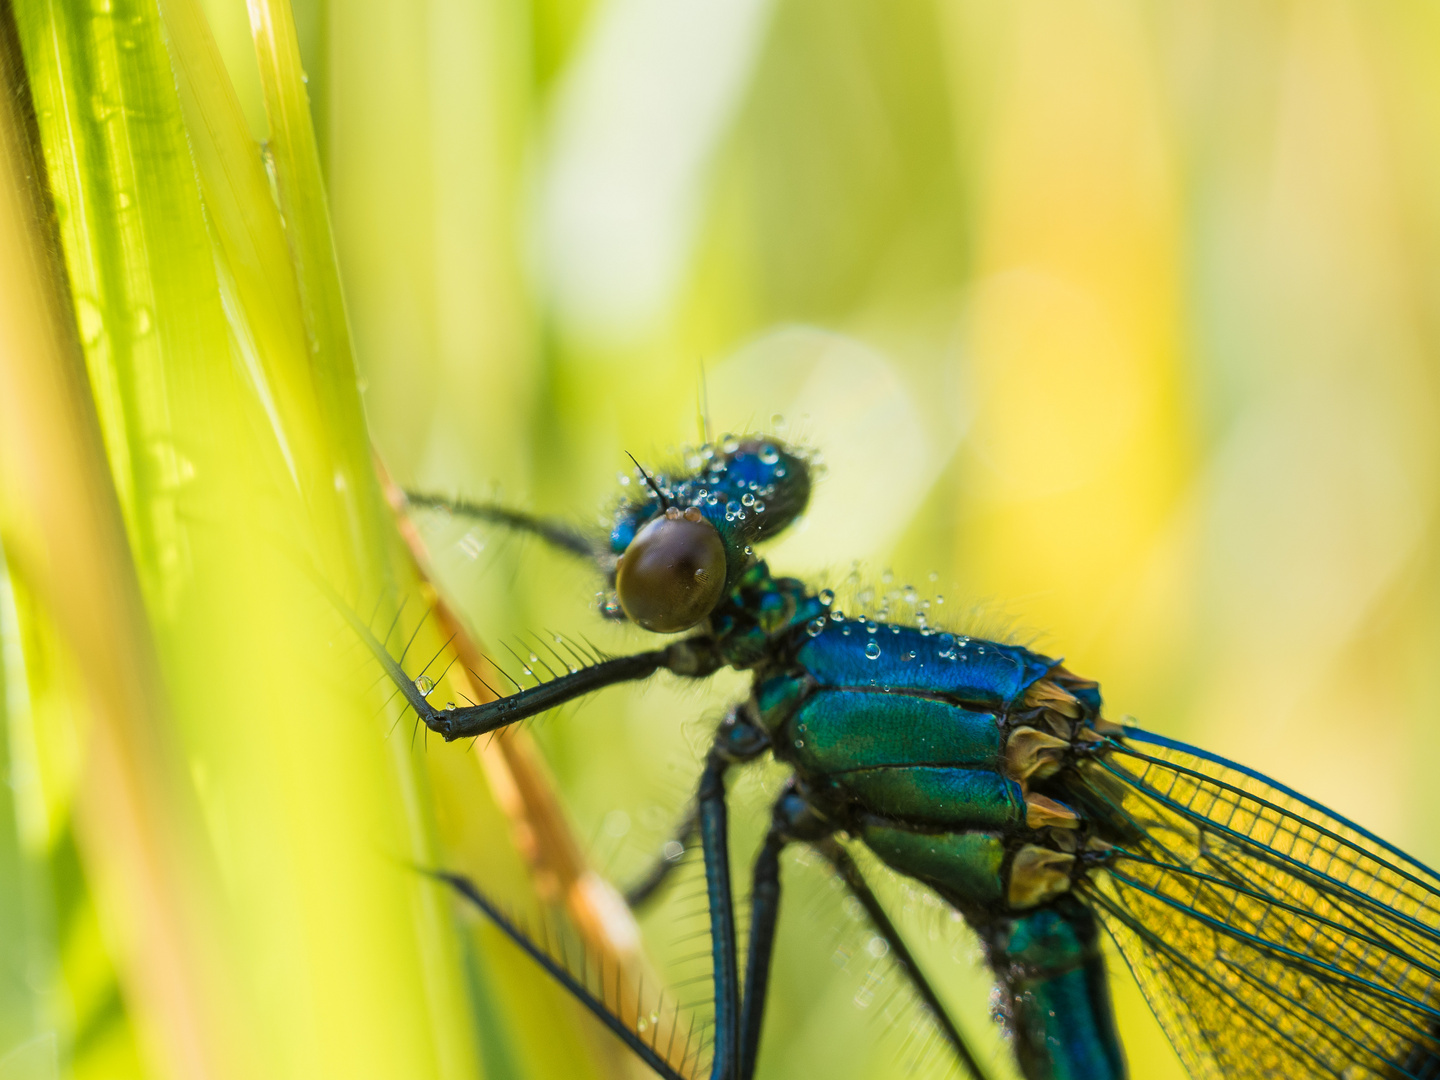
x=1272 y=937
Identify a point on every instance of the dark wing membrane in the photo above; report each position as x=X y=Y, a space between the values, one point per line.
x=1271 y=937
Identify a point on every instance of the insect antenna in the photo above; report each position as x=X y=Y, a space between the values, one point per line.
x=665 y=503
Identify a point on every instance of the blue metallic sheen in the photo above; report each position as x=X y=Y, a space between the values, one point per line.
x=905 y=660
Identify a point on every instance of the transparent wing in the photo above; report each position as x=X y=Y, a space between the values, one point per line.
x=1271 y=937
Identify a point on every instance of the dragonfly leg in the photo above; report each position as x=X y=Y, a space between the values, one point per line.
x=555 y=533
x=844 y=864
x=739 y=738
x=649 y=883
x=792 y=819
x=715 y=843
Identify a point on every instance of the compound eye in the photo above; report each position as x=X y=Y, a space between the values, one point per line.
x=671 y=575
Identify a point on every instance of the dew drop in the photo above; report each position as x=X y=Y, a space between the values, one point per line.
x=471 y=545
x=769 y=455
x=827 y=597
x=424 y=684
x=747 y=499
x=871 y=626
x=872 y=651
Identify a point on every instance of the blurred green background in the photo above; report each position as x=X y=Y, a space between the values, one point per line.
x=1118 y=325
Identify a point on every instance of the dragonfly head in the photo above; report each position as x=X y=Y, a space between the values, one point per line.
x=682 y=545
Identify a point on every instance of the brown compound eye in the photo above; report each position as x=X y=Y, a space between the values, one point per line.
x=671 y=575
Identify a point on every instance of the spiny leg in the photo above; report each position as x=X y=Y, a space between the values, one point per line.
x=556 y=534
x=693 y=657
x=844 y=864
x=660 y=870
x=764 y=914
x=737 y=740
x=715 y=843
x=647 y=1052
x=793 y=818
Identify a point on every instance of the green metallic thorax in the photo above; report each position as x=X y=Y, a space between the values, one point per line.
x=902 y=737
